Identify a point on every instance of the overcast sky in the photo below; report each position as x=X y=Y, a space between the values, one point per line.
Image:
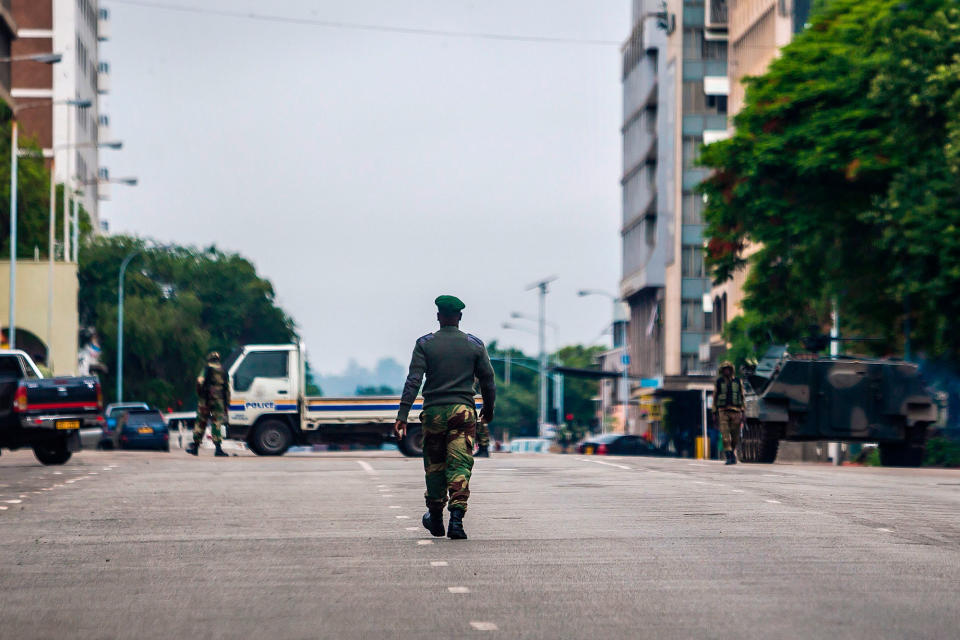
x=365 y=173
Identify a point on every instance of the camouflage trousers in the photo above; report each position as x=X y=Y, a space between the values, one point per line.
x=212 y=414
x=449 y=431
x=483 y=434
x=728 y=422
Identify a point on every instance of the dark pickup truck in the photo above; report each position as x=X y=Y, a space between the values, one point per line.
x=45 y=414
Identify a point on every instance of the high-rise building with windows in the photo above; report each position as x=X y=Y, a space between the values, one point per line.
x=675 y=91
x=67 y=134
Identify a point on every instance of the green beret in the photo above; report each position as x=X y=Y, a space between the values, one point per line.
x=449 y=304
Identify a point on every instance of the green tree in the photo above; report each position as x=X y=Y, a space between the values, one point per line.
x=376 y=390
x=845 y=171
x=180 y=303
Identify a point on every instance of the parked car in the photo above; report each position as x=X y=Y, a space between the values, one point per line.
x=107 y=436
x=142 y=429
x=530 y=445
x=45 y=414
x=617 y=444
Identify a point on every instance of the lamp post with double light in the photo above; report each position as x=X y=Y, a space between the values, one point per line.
x=44 y=58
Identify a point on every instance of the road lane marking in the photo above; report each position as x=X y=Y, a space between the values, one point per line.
x=23 y=495
x=106 y=469
x=387 y=495
x=366 y=467
x=424 y=542
x=381 y=486
x=483 y=626
x=773 y=501
x=394 y=506
x=92 y=473
x=695 y=464
x=402 y=517
x=884 y=529
x=438 y=563
x=413 y=528
x=458 y=589
x=3 y=508
x=58 y=473
x=609 y=464
x=737 y=490
x=504 y=469
x=13 y=501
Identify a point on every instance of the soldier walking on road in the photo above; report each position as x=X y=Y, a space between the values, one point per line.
x=728 y=409
x=451 y=360
x=213 y=398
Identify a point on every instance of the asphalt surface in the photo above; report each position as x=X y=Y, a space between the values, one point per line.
x=154 y=545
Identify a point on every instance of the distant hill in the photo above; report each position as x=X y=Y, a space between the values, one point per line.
x=387 y=373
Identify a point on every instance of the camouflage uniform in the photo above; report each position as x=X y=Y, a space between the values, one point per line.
x=449 y=431
x=728 y=403
x=214 y=397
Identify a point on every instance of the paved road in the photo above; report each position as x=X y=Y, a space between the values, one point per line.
x=152 y=545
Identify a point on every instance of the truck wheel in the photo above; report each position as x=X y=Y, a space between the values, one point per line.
x=51 y=453
x=412 y=443
x=758 y=443
x=271 y=438
x=905 y=454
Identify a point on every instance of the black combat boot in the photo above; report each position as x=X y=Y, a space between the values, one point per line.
x=220 y=453
x=730 y=458
x=483 y=451
x=433 y=522
x=455 y=530
x=193 y=449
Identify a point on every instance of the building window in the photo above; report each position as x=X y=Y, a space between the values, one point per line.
x=693 y=263
x=692 y=207
x=692 y=316
x=717 y=103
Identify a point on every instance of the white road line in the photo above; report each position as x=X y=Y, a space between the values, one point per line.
x=402 y=517
x=71 y=481
x=366 y=467
x=458 y=589
x=483 y=626
x=387 y=495
x=438 y=563
x=773 y=501
x=92 y=473
x=413 y=528
x=106 y=468
x=381 y=486
x=609 y=464
x=2 y=508
x=58 y=473
x=23 y=495
x=699 y=482
x=13 y=501
x=737 y=490
x=424 y=542
x=504 y=469
x=394 y=506
x=884 y=529
x=695 y=464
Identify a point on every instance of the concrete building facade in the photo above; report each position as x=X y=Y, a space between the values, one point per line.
x=675 y=87
x=68 y=135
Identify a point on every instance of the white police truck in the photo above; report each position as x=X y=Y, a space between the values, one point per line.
x=270 y=411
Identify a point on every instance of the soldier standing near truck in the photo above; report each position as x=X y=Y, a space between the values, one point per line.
x=213 y=398
x=728 y=403
x=451 y=360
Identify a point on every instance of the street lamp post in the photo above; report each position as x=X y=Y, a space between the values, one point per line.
x=45 y=58
x=541 y=286
x=123 y=273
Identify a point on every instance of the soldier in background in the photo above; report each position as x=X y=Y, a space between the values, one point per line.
x=728 y=403
x=213 y=398
x=483 y=440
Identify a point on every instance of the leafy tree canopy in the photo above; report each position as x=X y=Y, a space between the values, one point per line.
x=844 y=176
x=180 y=302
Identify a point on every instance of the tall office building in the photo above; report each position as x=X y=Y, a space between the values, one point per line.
x=758 y=30
x=73 y=28
x=675 y=90
x=8 y=33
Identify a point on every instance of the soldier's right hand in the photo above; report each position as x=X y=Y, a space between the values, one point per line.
x=400 y=428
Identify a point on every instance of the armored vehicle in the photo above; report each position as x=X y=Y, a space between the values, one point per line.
x=840 y=399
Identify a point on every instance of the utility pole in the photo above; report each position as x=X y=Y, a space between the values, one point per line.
x=542 y=336
x=14 y=151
